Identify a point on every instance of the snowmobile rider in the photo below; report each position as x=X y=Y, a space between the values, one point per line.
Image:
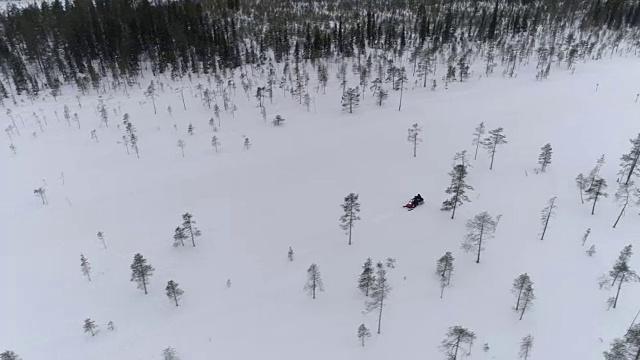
x=417 y=200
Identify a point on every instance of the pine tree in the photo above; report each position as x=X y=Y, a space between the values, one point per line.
x=85 y=266
x=181 y=145
x=523 y=289
x=207 y=98
x=400 y=80
x=414 y=137
x=314 y=281
x=90 y=327
x=444 y=269
x=170 y=354
x=526 y=345
x=621 y=272
x=278 y=120
x=150 y=93
x=351 y=208
x=367 y=278
x=9 y=355
x=174 y=292
x=457 y=190
x=625 y=196
x=495 y=138
x=141 y=271
x=363 y=333
x=351 y=99
x=544 y=159
x=215 y=142
x=594 y=174
x=456 y=338
x=585 y=235
x=546 y=214
x=190 y=129
x=629 y=162
x=583 y=184
x=381 y=96
x=379 y=294
x=595 y=191
x=101 y=239
x=179 y=237
x=479 y=229
x=190 y=230
x=627 y=348
x=290 y=254
x=131 y=132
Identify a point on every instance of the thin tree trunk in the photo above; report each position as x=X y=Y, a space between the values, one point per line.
x=144 y=283
x=401 y=91
x=350 y=223
x=455 y=354
x=518 y=301
x=193 y=240
x=615 y=303
x=380 y=313
x=524 y=308
x=581 y=197
x=314 y=287
x=633 y=167
x=415 y=145
x=441 y=290
x=546 y=223
x=154 y=105
x=475 y=157
x=620 y=215
x=480 y=244
x=593 y=209
x=493 y=155
x=175 y=297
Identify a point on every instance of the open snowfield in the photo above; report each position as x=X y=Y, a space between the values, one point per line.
x=251 y=205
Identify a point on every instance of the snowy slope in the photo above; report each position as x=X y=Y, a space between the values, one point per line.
x=251 y=205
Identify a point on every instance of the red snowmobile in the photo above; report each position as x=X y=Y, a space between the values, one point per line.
x=415 y=202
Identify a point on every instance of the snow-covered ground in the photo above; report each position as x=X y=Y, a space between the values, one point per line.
x=251 y=205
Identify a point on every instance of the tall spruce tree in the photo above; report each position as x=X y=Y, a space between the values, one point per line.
x=314 y=281
x=523 y=289
x=457 y=190
x=622 y=273
x=526 y=346
x=629 y=162
x=173 y=291
x=479 y=229
x=9 y=355
x=190 y=229
x=351 y=208
x=90 y=326
x=414 y=137
x=363 y=333
x=444 y=270
x=495 y=138
x=546 y=214
x=141 y=271
x=626 y=348
x=544 y=159
x=351 y=99
x=379 y=295
x=367 y=278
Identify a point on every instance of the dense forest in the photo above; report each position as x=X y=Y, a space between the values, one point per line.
x=89 y=43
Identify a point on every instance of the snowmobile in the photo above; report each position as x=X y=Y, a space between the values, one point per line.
x=415 y=202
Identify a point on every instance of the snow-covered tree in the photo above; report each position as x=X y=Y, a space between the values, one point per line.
x=215 y=142
x=582 y=183
x=363 y=333
x=523 y=289
x=179 y=237
x=401 y=79
x=544 y=159
x=621 y=272
x=150 y=93
x=9 y=355
x=190 y=229
x=131 y=133
x=181 y=145
x=546 y=214
x=585 y=236
x=290 y=254
x=278 y=120
x=141 y=271
x=479 y=229
x=381 y=95
x=367 y=278
x=351 y=208
x=351 y=99
x=41 y=192
x=629 y=162
x=207 y=97
x=414 y=137
x=379 y=294
x=314 y=281
x=170 y=354
x=477 y=138
x=627 y=348
x=454 y=343
x=457 y=190
x=626 y=195
x=85 y=266
x=526 y=346
x=444 y=269
x=495 y=138
x=595 y=191
x=173 y=291
x=90 y=326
